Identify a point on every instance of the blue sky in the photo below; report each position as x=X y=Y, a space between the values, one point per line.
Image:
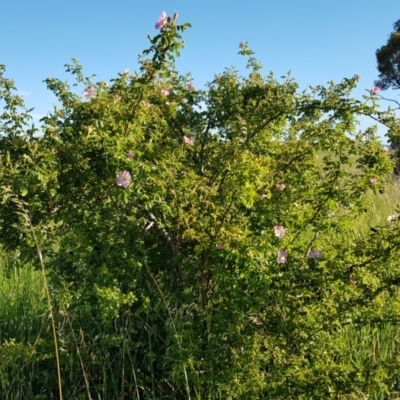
x=317 y=40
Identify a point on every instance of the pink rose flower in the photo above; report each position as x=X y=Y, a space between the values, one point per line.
x=373 y=181
x=162 y=20
x=188 y=140
x=375 y=90
x=165 y=92
x=190 y=85
x=282 y=257
x=279 y=231
x=280 y=186
x=130 y=155
x=314 y=254
x=123 y=179
x=88 y=93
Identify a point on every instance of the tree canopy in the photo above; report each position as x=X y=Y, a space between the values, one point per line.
x=388 y=59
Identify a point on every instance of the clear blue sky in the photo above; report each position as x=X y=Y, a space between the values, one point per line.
x=317 y=40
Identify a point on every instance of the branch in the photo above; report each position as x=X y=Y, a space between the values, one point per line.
x=159 y=226
x=394 y=101
x=163 y=232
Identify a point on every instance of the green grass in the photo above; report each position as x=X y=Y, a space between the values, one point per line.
x=22 y=301
x=379 y=207
x=23 y=323
x=374 y=348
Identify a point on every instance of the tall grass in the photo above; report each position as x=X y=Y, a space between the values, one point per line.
x=379 y=207
x=376 y=349
x=23 y=323
x=27 y=359
x=22 y=306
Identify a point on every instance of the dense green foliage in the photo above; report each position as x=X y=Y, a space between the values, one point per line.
x=220 y=264
x=388 y=64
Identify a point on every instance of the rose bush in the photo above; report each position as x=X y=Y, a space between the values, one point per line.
x=219 y=262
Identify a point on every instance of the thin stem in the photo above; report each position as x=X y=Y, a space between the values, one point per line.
x=50 y=306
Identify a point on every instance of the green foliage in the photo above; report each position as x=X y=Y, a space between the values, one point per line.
x=388 y=59
x=167 y=284
x=24 y=322
x=388 y=64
